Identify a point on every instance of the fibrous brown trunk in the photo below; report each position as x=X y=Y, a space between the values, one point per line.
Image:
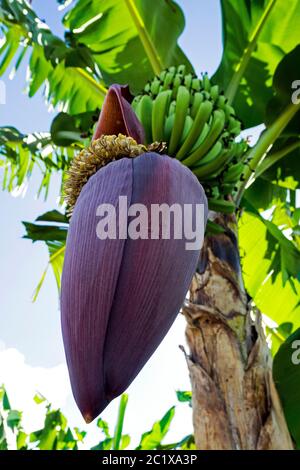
x=235 y=403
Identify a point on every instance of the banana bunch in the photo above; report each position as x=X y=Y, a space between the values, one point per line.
x=199 y=127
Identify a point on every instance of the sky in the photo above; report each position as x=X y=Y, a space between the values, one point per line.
x=31 y=351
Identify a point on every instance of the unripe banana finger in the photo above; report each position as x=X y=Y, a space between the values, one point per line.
x=215 y=131
x=187 y=127
x=220 y=205
x=172 y=108
x=145 y=116
x=214 y=167
x=162 y=75
x=227 y=188
x=201 y=137
x=182 y=104
x=229 y=111
x=172 y=69
x=159 y=112
x=213 y=228
x=169 y=124
x=213 y=153
x=234 y=173
x=197 y=100
x=196 y=84
x=202 y=116
x=181 y=69
x=177 y=82
x=155 y=85
x=206 y=82
x=233 y=125
x=188 y=80
x=221 y=103
x=167 y=81
x=136 y=105
x=214 y=92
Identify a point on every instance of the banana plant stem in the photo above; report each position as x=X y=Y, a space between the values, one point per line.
x=242 y=65
x=266 y=140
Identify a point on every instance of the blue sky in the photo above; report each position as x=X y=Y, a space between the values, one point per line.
x=32 y=354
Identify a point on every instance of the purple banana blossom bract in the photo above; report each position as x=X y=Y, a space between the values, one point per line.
x=117 y=116
x=119 y=297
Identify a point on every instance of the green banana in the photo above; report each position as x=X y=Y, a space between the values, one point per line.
x=200 y=127
x=206 y=82
x=204 y=112
x=213 y=153
x=188 y=80
x=135 y=103
x=155 y=85
x=214 y=92
x=172 y=108
x=172 y=69
x=213 y=228
x=182 y=104
x=181 y=69
x=177 y=82
x=187 y=127
x=233 y=124
x=233 y=173
x=169 y=124
x=196 y=84
x=229 y=111
x=227 y=188
x=162 y=75
x=214 y=132
x=147 y=88
x=168 y=80
x=145 y=116
x=220 y=205
x=201 y=137
x=159 y=112
x=197 y=100
x=214 y=167
x=221 y=103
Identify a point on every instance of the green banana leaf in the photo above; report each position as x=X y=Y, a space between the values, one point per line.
x=56 y=433
x=67 y=129
x=267 y=263
x=262 y=194
x=279 y=172
x=153 y=438
x=20 y=154
x=286 y=373
x=51 y=229
x=278 y=336
x=256 y=36
x=285 y=172
x=281 y=166
x=116 y=41
x=66 y=71
x=130 y=40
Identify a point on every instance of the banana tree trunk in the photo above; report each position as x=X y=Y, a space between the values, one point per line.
x=235 y=403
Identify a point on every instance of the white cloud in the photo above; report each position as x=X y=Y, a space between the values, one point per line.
x=22 y=381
